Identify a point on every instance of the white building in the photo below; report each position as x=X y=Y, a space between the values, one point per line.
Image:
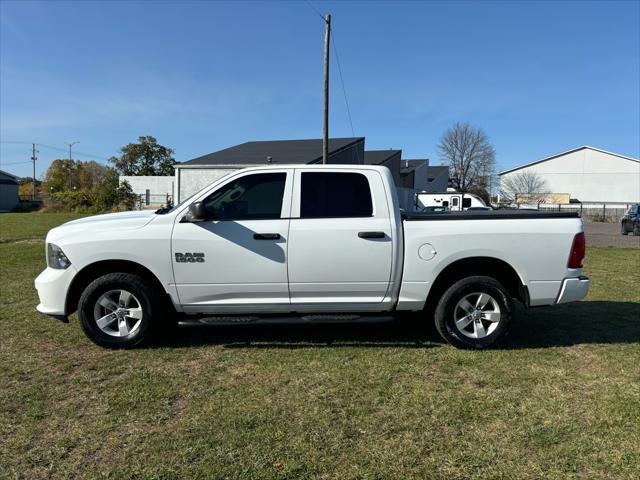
x=153 y=190
x=588 y=175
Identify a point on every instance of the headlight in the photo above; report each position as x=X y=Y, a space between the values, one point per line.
x=56 y=257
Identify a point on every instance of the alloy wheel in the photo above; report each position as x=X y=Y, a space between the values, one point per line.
x=477 y=315
x=118 y=313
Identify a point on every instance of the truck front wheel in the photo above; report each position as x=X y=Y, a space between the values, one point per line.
x=474 y=312
x=116 y=310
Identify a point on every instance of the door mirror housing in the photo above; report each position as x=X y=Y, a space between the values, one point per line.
x=196 y=213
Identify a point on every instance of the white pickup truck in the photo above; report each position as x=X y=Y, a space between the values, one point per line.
x=307 y=243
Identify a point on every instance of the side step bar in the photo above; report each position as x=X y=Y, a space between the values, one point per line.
x=286 y=319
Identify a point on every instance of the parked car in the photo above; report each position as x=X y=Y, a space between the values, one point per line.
x=631 y=221
x=435 y=209
x=307 y=243
x=477 y=209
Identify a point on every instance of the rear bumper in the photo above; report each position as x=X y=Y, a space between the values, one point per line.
x=573 y=289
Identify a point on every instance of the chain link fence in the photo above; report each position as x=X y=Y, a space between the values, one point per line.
x=151 y=200
x=591 y=212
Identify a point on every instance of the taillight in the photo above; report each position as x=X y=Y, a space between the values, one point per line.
x=577 y=251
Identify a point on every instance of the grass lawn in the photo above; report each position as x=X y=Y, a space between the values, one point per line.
x=560 y=397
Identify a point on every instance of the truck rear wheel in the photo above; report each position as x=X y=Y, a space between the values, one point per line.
x=116 y=310
x=474 y=312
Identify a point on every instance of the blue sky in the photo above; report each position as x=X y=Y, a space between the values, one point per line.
x=538 y=77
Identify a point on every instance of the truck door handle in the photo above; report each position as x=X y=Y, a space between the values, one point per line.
x=371 y=234
x=266 y=236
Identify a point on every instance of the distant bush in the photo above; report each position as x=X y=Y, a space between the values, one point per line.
x=85 y=187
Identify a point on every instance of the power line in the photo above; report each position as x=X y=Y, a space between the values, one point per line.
x=34 y=157
x=71 y=144
x=335 y=50
x=344 y=90
x=316 y=10
x=59 y=149
x=16 y=163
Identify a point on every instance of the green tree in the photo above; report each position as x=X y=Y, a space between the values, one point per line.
x=61 y=175
x=85 y=187
x=25 y=190
x=146 y=157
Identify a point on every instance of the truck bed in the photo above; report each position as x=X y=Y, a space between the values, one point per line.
x=487 y=215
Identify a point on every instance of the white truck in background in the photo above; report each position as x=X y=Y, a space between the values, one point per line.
x=307 y=243
x=452 y=200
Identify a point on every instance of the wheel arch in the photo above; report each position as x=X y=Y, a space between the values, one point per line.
x=94 y=270
x=492 y=267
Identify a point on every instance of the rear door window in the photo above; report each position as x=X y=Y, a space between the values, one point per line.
x=335 y=194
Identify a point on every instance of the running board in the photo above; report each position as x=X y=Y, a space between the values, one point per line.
x=291 y=319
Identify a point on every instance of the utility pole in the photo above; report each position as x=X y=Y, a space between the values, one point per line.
x=325 y=128
x=33 y=179
x=70 y=145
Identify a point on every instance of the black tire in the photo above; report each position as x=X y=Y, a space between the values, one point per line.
x=623 y=230
x=445 y=315
x=636 y=230
x=150 y=302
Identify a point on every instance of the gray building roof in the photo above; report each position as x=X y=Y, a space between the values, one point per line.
x=408 y=166
x=377 y=157
x=435 y=171
x=7 y=178
x=280 y=151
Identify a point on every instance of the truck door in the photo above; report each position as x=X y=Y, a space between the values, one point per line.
x=236 y=259
x=340 y=244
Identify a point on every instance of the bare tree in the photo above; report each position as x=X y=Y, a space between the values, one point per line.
x=526 y=185
x=470 y=155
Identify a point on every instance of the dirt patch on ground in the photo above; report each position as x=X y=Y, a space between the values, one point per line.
x=608 y=235
x=27 y=241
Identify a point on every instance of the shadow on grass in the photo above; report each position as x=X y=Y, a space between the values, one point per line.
x=558 y=326
x=575 y=323
x=387 y=334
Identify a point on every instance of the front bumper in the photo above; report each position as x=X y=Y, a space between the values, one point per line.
x=52 y=285
x=573 y=289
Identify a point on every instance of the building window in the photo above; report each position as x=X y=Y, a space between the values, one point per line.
x=329 y=194
x=252 y=197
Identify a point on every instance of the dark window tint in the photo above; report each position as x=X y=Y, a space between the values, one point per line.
x=254 y=197
x=466 y=202
x=326 y=194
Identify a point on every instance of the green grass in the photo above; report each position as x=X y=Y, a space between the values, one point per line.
x=560 y=397
x=30 y=226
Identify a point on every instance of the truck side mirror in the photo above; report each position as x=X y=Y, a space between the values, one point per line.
x=196 y=212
